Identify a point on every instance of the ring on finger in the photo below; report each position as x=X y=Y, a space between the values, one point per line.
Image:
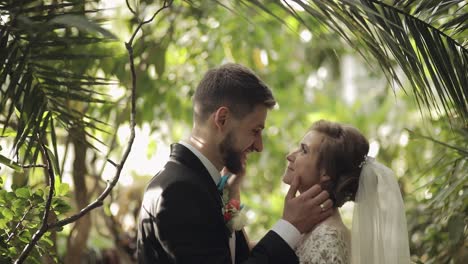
x=322 y=206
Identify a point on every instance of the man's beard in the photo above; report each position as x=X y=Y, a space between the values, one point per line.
x=231 y=157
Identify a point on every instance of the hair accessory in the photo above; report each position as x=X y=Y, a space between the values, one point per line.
x=347 y=197
x=363 y=162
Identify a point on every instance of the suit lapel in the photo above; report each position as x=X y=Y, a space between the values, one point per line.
x=185 y=156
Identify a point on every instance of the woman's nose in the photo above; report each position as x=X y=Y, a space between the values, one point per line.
x=290 y=156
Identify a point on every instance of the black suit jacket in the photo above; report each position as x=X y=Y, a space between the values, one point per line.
x=181 y=220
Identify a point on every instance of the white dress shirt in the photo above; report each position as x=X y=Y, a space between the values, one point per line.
x=283 y=228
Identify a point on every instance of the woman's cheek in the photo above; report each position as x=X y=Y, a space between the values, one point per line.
x=287 y=178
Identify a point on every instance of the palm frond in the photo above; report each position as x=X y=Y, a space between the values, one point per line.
x=426 y=38
x=38 y=87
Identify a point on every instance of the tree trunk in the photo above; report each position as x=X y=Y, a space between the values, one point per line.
x=79 y=236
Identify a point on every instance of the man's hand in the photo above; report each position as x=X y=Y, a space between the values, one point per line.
x=234 y=184
x=308 y=209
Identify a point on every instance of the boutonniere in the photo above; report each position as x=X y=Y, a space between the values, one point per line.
x=234 y=217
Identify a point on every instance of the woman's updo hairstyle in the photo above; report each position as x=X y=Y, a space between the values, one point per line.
x=342 y=150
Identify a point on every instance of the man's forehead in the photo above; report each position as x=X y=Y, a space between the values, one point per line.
x=257 y=120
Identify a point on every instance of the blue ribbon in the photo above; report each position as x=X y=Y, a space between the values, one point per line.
x=223 y=181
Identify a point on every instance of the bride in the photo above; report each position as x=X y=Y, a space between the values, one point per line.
x=335 y=156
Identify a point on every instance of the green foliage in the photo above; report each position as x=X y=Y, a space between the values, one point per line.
x=49 y=83
x=426 y=38
x=205 y=36
x=43 y=69
x=47 y=48
x=21 y=213
x=437 y=216
x=6 y=161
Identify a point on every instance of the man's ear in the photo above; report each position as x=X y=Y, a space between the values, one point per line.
x=221 y=116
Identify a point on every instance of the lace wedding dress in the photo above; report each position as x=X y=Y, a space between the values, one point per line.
x=328 y=243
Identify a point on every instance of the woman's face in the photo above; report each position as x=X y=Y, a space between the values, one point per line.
x=302 y=162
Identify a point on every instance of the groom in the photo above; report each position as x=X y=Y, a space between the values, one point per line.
x=180 y=218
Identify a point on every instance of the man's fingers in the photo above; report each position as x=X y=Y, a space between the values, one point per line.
x=293 y=188
x=233 y=178
x=312 y=192
x=324 y=215
x=224 y=171
x=328 y=204
x=321 y=198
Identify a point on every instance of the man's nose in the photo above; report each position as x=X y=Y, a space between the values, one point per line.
x=258 y=144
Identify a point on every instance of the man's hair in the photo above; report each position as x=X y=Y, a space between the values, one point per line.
x=342 y=150
x=231 y=85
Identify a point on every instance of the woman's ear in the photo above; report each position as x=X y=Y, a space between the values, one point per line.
x=324 y=177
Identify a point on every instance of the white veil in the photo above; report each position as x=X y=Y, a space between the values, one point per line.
x=379 y=233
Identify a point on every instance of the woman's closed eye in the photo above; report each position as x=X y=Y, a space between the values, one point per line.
x=304 y=148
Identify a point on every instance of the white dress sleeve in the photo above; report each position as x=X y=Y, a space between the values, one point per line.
x=324 y=245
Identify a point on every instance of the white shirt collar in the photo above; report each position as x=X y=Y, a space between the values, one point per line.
x=215 y=174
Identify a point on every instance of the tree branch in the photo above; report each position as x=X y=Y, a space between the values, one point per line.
x=44 y=227
x=112 y=162
x=130 y=8
x=100 y=200
x=10 y=236
x=166 y=4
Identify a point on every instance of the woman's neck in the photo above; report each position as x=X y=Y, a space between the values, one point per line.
x=335 y=218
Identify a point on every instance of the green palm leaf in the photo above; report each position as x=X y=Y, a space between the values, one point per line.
x=427 y=39
x=37 y=50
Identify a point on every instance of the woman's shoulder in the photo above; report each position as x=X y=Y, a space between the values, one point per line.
x=327 y=232
x=327 y=243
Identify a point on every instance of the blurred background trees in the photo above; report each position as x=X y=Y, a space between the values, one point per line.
x=66 y=82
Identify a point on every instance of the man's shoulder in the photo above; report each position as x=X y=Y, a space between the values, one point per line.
x=174 y=176
x=172 y=172
x=169 y=182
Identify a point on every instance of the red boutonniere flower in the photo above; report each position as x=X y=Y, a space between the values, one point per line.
x=230 y=209
x=234 y=217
